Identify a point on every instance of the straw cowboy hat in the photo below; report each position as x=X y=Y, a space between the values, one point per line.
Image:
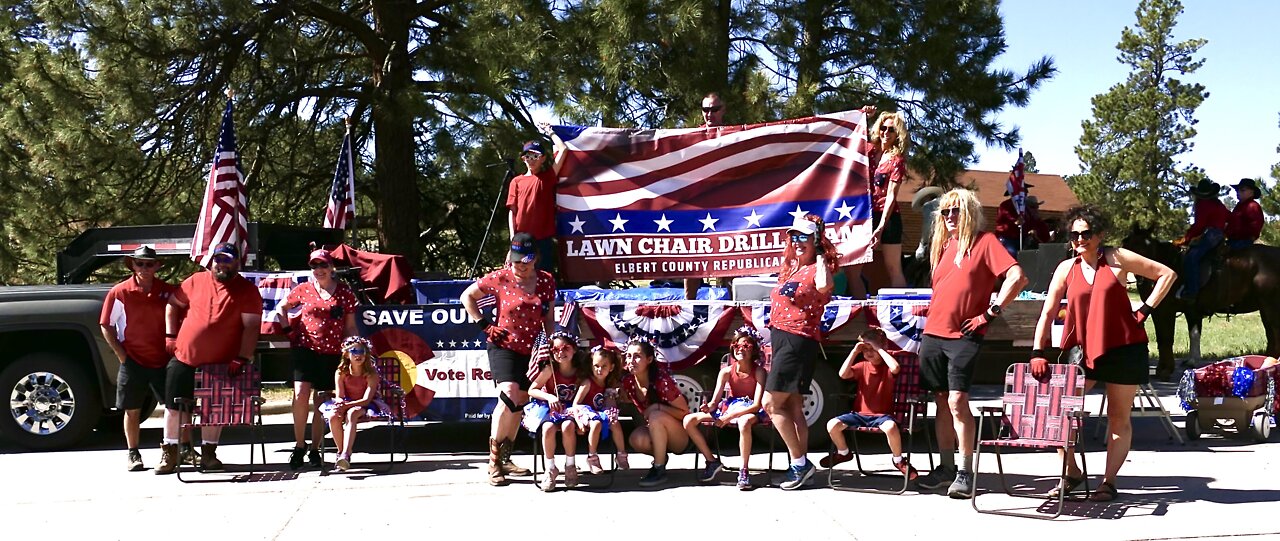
x=925 y=195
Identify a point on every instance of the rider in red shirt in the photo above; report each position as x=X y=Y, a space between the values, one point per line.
x=1244 y=225
x=1211 y=222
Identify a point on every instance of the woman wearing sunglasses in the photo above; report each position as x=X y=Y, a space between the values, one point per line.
x=327 y=314
x=804 y=288
x=889 y=140
x=356 y=383
x=1101 y=320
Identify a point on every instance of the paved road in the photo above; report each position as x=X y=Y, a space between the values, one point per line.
x=1213 y=488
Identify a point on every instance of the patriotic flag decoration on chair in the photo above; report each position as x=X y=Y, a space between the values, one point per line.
x=341 y=210
x=224 y=216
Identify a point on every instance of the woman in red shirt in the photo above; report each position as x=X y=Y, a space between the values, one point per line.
x=649 y=385
x=889 y=140
x=327 y=315
x=525 y=298
x=804 y=288
x=1101 y=321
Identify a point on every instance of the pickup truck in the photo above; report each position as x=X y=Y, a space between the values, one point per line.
x=56 y=370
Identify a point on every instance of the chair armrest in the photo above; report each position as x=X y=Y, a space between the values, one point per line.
x=1079 y=414
x=991 y=410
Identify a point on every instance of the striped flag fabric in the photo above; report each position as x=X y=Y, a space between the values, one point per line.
x=1016 y=186
x=224 y=215
x=708 y=201
x=340 y=212
x=540 y=357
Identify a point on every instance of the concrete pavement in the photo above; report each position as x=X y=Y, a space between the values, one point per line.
x=1208 y=489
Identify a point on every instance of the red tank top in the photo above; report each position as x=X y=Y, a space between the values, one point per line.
x=741 y=385
x=353 y=386
x=564 y=387
x=595 y=395
x=1099 y=315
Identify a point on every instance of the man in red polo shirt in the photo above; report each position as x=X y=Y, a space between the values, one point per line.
x=223 y=313
x=531 y=201
x=132 y=323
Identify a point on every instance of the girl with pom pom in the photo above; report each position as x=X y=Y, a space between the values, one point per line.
x=743 y=379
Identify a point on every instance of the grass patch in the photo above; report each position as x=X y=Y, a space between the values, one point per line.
x=277 y=393
x=1220 y=337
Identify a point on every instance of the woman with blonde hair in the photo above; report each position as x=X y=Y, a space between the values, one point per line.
x=888 y=162
x=967 y=262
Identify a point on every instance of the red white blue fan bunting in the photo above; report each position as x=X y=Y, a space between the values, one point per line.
x=684 y=333
x=902 y=321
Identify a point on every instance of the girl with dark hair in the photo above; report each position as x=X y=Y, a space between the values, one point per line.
x=1102 y=322
x=804 y=288
x=741 y=385
x=649 y=385
x=553 y=391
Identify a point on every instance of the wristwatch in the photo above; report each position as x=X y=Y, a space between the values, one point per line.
x=995 y=310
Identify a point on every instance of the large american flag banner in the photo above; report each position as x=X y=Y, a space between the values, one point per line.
x=341 y=209
x=708 y=201
x=224 y=215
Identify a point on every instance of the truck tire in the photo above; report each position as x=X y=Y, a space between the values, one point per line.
x=52 y=402
x=820 y=407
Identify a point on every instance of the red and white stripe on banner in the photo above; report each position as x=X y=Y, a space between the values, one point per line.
x=158 y=246
x=275 y=288
x=684 y=333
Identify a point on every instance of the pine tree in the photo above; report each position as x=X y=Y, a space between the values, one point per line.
x=1129 y=149
x=1029 y=162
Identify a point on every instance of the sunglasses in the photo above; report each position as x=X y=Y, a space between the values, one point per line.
x=561 y=349
x=886 y=127
x=1082 y=235
x=715 y=109
x=531 y=155
x=947 y=212
x=319 y=265
x=224 y=259
x=800 y=238
x=356 y=351
x=743 y=347
x=145 y=264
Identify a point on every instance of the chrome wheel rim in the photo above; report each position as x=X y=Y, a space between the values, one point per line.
x=42 y=403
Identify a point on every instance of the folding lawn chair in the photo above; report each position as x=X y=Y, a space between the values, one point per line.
x=710 y=433
x=910 y=412
x=1036 y=415
x=606 y=447
x=390 y=391
x=223 y=400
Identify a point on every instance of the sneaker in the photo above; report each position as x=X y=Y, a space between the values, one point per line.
x=570 y=476
x=657 y=475
x=343 y=463
x=709 y=473
x=905 y=467
x=622 y=462
x=135 y=460
x=549 y=482
x=962 y=487
x=832 y=459
x=798 y=476
x=296 y=457
x=314 y=458
x=939 y=476
x=593 y=463
x=744 y=479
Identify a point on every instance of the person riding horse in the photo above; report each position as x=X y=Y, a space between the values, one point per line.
x=1203 y=236
x=1244 y=225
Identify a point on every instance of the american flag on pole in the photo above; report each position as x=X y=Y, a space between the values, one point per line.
x=540 y=357
x=1017 y=187
x=708 y=201
x=341 y=210
x=224 y=216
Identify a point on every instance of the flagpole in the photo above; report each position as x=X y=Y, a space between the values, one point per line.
x=355 y=242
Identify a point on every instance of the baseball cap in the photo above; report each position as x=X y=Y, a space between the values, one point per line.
x=322 y=255
x=533 y=146
x=226 y=249
x=801 y=225
x=522 y=249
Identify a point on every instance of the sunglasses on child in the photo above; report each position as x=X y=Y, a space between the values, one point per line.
x=356 y=351
x=1082 y=235
x=743 y=347
x=561 y=349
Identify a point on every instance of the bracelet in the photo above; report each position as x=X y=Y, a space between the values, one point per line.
x=1037 y=353
x=170 y=335
x=243 y=359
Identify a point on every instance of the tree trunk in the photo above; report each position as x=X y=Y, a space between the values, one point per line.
x=395 y=169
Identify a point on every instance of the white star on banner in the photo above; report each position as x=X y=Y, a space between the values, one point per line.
x=798 y=213
x=440 y=344
x=664 y=223
x=618 y=223
x=576 y=224
x=453 y=344
x=845 y=210
x=709 y=222
x=754 y=219
x=478 y=343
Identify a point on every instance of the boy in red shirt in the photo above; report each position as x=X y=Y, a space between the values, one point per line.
x=531 y=200
x=875 y=371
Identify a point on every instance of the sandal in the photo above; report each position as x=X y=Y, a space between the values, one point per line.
x=1072 y=483
x=1106 y=492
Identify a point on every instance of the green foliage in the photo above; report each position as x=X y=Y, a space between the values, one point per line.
x=1029 y=162
x=1129 y=149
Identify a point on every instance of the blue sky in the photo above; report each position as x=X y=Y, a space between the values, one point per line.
x=1237 y=127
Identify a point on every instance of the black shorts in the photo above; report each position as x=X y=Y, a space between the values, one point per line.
x=508 y=366
x=315 y=368
x=794 y=360
x=892 y=231
x=179 y=383
x=1125 y=365
x=133 y=381
x=947 y=364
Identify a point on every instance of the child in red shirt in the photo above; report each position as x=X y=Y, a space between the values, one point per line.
x=874 y=370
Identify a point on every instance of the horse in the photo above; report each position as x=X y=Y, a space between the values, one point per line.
x=1247 y=280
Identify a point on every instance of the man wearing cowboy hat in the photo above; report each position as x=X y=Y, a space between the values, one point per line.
x=132 y=323
x=1244 y=225
x=1210 y=222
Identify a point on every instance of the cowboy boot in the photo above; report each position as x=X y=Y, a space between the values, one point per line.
x=509 y=467
x=496 y=477
x=168 y=459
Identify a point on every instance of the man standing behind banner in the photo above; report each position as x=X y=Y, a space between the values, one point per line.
x=803 y=291
x=223 y=316
x=966 y=263
x=531 y=201
x=712 y=116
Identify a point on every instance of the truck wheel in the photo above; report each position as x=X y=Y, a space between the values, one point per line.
x=1192 y=425
x=52 y=402
x=1261 y=426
